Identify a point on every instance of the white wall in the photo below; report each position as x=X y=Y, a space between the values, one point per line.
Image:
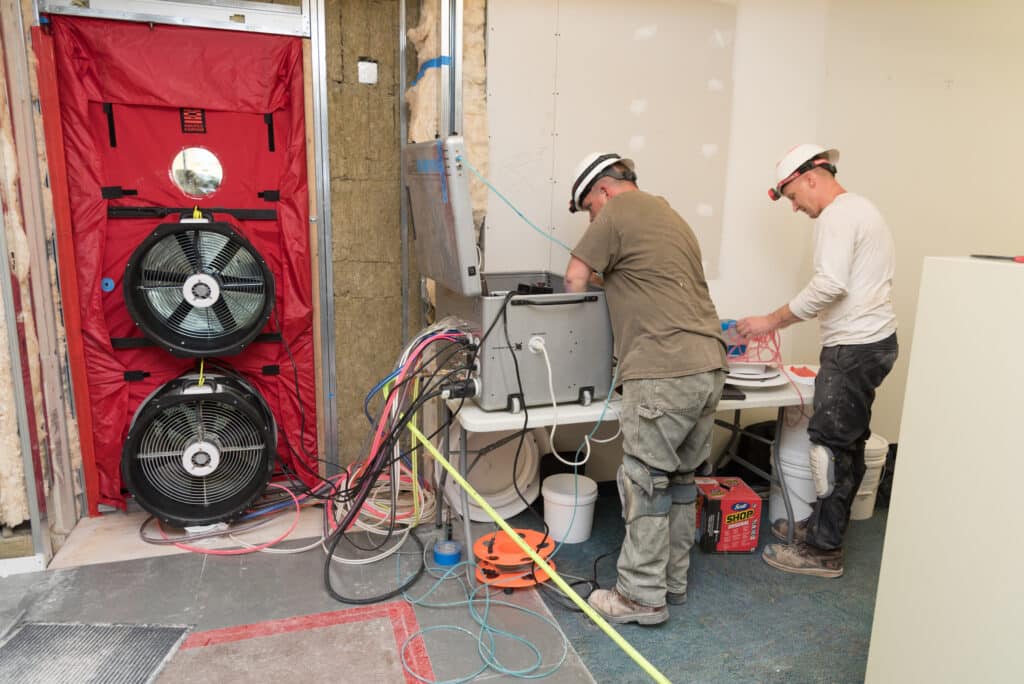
x=650 y=80
x=925 y=98
x=922 y=97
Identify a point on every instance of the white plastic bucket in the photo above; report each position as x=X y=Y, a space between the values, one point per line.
x=569 y=506
x=875 y=451
x=491 y=474
x=795 y=461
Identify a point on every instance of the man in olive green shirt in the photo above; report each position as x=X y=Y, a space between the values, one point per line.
x=672 y=366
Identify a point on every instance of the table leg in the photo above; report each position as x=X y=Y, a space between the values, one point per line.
x=734 y=437
x=446 y=450
x=777 y=467
x=467 y=525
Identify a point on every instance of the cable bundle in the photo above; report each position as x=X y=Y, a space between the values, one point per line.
x=406 y=390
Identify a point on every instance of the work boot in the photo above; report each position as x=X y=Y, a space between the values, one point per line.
x=803 y=559
x=614 y=607
x=781 y=527
x=675 y=598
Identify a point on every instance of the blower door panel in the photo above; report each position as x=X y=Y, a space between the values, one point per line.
x=133 y=98
x=150 y=140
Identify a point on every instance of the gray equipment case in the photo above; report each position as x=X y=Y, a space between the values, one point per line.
x=574 y=328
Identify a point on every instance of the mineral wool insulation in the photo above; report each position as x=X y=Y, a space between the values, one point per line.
x=13 y=496
x=423 y=97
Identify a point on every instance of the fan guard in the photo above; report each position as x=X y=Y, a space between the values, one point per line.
x=198 y=289
x=199 y=454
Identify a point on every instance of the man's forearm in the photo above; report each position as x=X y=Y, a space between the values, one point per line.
x=755 y=326
x=783 y=317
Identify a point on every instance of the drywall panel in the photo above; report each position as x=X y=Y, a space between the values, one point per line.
x=650 y=79
x=949 y=601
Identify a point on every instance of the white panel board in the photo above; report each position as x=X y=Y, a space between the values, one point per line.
x=521 y=100
x=949 y=600
x=650 y=79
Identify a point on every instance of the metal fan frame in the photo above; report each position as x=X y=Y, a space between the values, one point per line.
x=229 y=389
x=156 y=328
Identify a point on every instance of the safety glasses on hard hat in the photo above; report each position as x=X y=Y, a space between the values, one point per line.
x=815 y=162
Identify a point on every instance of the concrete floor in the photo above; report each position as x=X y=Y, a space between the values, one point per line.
x=260 y=615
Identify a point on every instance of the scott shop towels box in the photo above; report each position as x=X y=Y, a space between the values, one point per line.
x=728 y=515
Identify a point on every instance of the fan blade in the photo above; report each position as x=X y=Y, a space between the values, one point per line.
x=180 y=312
x=224 y=256
x=251 y=285
x=150 y=275
x=224 y=315
x=189 y=248
x=200 y=423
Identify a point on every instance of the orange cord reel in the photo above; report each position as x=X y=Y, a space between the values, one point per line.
x=502 y=563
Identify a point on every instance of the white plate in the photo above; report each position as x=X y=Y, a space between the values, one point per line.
x=777 y=381
x=764 y=375
x=748 y=368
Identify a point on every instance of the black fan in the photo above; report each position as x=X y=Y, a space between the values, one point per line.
x=199 y=454
x=198 y=289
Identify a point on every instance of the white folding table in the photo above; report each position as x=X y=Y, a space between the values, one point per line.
x=471 y=418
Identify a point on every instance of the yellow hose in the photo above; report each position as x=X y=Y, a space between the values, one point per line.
x=583 y=605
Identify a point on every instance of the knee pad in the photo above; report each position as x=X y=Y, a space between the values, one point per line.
x=642 y=492
x=823 y=470
x=682 y=489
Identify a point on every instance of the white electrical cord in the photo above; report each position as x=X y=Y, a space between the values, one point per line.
x=537 y=343
x=380 y=524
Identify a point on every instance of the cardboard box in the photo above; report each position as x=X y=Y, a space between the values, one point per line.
x=728 y=515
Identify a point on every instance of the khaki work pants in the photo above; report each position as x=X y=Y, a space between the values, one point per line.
x=666 y=428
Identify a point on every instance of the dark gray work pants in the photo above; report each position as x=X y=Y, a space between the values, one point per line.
x=843 y=394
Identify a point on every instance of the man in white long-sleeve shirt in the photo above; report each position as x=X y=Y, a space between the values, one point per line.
x=851 y=295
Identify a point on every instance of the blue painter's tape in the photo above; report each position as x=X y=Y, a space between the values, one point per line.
x=447 y=552
x=431 y=64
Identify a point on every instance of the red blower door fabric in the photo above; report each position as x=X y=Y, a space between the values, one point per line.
x=132 y=96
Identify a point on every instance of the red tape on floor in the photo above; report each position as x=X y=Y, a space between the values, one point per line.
x=399 y=613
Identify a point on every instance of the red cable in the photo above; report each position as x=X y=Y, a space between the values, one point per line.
x=238 y=552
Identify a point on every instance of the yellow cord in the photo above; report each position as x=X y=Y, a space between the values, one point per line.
x=202 y=378
x=415 y=467
x=583 y=605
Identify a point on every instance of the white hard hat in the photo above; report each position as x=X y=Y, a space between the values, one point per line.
x=800 y=160
x=590 y=169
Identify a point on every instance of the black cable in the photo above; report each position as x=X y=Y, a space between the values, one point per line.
x=526 y=421
x=374 y=599
x=374 y=469
x=453 y=346
x=562 y=600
